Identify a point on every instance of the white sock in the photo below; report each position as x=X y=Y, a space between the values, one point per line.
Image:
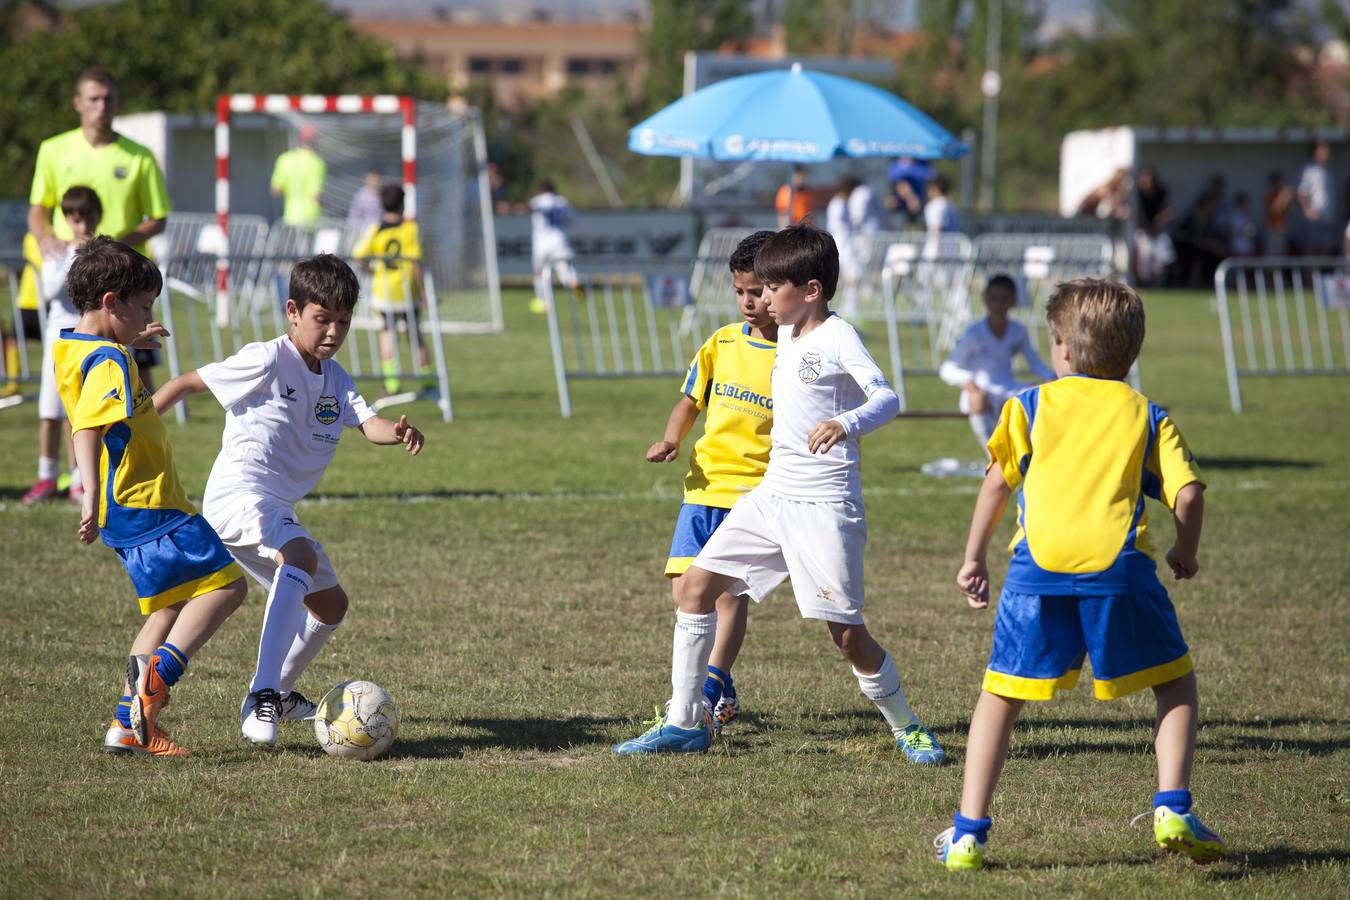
x=75 y=481
x=308 y=641
x=47 y=468
x=281 y=620
x=694 y=636
x=885 y=691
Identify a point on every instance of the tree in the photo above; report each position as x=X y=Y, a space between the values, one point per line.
x=678 y=26
x=178 y=55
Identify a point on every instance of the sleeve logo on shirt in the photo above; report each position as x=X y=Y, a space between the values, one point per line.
x=120 y=171
x=808 y=370
x=327 y=410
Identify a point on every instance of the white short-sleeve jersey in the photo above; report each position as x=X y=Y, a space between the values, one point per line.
x=549 y=217
x=282 y=421
x=54 y=290
x=828 y=374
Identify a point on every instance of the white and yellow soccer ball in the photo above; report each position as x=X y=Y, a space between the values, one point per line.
x=356 y=720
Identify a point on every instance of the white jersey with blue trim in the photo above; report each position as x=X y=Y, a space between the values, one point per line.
x=282 y=421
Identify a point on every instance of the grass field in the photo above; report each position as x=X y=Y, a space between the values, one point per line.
x=506 y=590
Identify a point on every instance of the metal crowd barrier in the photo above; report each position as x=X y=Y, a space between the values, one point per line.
x=622 y=325
x=206 y=325
x=1292 y=318
x=12 y=269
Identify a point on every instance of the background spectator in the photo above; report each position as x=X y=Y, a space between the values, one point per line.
x=1275 y=236
x=1153 y=250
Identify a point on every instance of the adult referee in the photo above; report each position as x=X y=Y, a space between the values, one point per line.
x=123 y=173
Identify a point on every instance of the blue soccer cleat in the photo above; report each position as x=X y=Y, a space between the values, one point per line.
x=662 y=738
x=920 y=747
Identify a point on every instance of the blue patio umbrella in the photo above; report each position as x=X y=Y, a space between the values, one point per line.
x=792 y=115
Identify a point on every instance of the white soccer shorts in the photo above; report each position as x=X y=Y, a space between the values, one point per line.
x=819 y=545
x=254 y=527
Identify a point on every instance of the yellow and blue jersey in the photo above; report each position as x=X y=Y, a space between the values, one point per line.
x=1087 y=452
x=392 y=281
x=729 y=379
x=101 y=388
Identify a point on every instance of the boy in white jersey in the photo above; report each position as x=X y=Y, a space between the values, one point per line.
x=550 y=214
x=82 y=211
x=287 y=401
x=729 y=378
x=981 y=362
x=805 y=519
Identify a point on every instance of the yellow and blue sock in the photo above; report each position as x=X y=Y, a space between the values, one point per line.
x=170 y=663
x=122 y=711
x=717 y=685
x=977 y=827
x=1177 y=801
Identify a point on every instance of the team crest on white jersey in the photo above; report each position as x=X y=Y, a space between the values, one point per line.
x=808 y=370
x=327 y=410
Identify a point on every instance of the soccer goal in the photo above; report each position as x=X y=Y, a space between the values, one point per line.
x=438 y=154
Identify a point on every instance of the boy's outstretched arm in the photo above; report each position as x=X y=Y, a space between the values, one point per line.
x=176 y=389
x=973 y=579
x=87 y=448
x=1189 y=514
x=379 y=430
x=682 y=418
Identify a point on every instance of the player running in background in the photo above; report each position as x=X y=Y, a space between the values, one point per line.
x=981 y=362
x=1086 y=450
x=286 y=402
x=81 y=209
x=393 y=247
x=183 y=575
x=805 y=518
x=729 y=378
x=550 y=214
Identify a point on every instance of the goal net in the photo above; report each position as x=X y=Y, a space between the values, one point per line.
x=437 y=154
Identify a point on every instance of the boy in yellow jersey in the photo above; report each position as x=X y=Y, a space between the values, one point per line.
x=393 y=247
x=730 y=379
x=1086 y=451
x=183 y=574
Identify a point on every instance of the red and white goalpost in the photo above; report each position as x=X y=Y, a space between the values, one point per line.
x=308 y=104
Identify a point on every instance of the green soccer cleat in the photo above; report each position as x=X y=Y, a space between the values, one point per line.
x=920 y=747
x=1185 y=833
x=965 y=855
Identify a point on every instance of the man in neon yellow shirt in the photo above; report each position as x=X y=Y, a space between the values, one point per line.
x=123 y=173
x=298 y=177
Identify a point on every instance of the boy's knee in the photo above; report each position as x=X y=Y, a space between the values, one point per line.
x=300 y=553
x=693 y=593
x=328 y=606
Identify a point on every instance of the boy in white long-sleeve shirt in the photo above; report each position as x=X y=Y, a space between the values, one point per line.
x=981 y=363
x=805 y=519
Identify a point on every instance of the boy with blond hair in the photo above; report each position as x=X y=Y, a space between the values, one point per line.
x=1086 y=450
x=185 y=579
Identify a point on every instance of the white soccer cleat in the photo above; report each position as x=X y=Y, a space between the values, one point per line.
x=259 y=716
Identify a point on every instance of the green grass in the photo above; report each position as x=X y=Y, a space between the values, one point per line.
x=506 y=590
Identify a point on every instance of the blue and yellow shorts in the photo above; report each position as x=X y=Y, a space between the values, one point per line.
x=1133 y=641
x=694 y=526
x=186 y=562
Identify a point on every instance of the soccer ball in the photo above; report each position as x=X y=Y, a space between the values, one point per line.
x=357 y=720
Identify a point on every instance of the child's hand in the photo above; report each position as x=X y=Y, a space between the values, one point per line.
x=89 y=518
x=147 y=339
x=663 y=451
x=973 y=580
x=824 y=436
x=979 y=400
x=1182 y=566
x=409 y=436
